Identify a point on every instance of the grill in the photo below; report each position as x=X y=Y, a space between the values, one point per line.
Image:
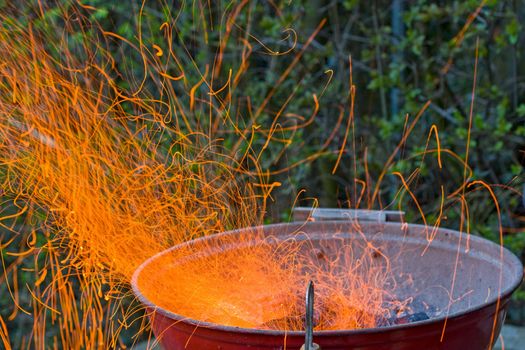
x=466 y=316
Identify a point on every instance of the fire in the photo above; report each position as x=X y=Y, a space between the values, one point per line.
x=253 y=281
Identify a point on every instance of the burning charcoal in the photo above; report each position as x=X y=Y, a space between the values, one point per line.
x=420 y=316
x=291 y=321
x=283 y=323
x=418 y=305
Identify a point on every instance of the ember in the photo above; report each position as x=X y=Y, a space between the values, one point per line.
x=414 y=311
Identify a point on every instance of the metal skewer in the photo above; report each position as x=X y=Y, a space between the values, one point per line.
x=309 y=320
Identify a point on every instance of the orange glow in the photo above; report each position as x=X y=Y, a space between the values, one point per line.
x=260 y=283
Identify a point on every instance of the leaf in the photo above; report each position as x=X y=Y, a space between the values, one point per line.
x=521 y=110
x=512 y=29
x=100 y=13
x=349 y=4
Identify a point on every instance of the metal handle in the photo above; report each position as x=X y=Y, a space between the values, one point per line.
x=323 y=214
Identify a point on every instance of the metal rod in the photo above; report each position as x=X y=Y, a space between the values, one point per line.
x=309 y=317
x=321 y=214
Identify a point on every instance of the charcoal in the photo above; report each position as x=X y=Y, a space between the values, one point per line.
x=419 y=316
x=419 y=306
x=382 y=322
x=286 y=322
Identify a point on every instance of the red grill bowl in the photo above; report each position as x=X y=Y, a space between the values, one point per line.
x=485 y=275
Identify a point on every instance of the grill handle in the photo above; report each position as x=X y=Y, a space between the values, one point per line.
x=324 y=214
